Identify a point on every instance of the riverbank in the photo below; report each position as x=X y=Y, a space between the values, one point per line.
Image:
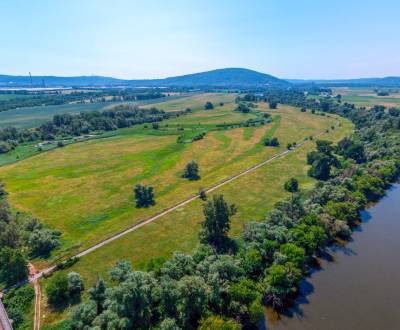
x=356 y=286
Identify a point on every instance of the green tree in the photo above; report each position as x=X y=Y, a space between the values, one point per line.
x=132 y=301
x=3 y=192
x=191 y=171
x=292 y=185
x=57 y=289
x=98 y=294
x=281 y=283
x=121 y=271
x=42 y=241
x=295 y=254
x=243 y=108
x=192 y=303
x=273 y=104
x=83 y=315
x=312 y=238
x=216 y=225
x=144 y=196
x=75 y=283
x=13 y=266
x=349 y=149
x=209 y=106
x=274 y=142
x=346 y=211
x=252 y=262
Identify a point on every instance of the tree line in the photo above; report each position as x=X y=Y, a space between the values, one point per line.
x=67 y=125
x=27 y=99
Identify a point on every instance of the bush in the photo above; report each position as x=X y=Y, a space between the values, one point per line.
x=5 y=147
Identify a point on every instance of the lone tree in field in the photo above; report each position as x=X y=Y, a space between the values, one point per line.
x=208 y=105
x=292 y=185
x=191 y=171
x=273 y=104
x=216 y=224
x=274 y=142
x=144 y=196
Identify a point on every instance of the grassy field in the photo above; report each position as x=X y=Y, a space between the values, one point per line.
x=253 y=194
x=367 y=97
x=28 y=117
x=85 y=189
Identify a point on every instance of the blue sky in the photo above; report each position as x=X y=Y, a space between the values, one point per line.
x=155 y=39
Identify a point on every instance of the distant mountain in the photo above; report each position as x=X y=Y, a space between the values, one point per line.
x=230 y=77
x=52 y=81
x=368 y=82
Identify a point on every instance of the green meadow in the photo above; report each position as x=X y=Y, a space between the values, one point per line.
x=221 y=153
x=28 y=117
x=367 y=97
x=85 y=189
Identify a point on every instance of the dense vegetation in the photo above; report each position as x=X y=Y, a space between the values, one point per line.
x=18 y=302
x=225 y=282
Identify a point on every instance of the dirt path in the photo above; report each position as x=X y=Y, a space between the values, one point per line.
x=35 y=281
x=180 y=204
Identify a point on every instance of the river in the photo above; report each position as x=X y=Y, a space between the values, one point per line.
x=358 y=284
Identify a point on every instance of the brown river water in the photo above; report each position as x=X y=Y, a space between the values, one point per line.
x=358 y=284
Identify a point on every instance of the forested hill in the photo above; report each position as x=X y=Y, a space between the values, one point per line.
x=226 y=77
x=230 y=77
